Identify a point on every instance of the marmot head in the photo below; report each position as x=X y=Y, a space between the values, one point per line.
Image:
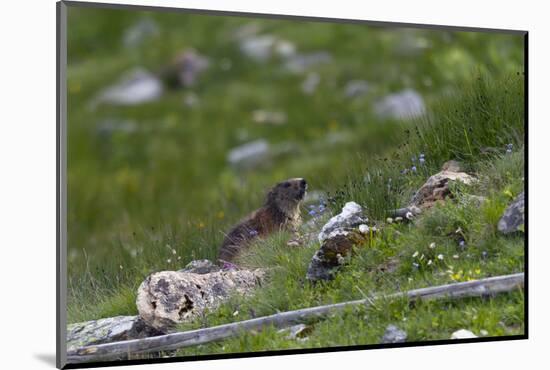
x=287 y=195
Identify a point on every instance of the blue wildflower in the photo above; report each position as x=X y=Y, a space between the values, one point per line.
x=413 y=168
x=312 y=212
x=422 y=160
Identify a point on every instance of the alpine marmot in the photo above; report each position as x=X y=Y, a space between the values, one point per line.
x=281 y=211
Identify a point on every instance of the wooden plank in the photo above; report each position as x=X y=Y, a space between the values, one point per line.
x=112 y=351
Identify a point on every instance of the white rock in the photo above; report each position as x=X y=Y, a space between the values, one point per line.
x=259 y=48
x=351 y=216
x=135 y=87
x=364 y=229
x=463 y=334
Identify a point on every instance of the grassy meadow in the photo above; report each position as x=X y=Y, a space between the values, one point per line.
x=150 y=187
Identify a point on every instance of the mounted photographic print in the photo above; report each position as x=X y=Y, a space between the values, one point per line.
x=235 y=185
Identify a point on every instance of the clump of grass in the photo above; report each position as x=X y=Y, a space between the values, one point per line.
x=479 y=123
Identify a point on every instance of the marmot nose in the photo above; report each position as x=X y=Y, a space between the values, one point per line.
x=303 y=183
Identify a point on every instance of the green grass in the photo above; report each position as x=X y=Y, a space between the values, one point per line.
x=162 y=195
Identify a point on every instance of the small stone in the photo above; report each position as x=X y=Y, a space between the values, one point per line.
x=356 y=88
x=249 y=155
x=394 y=335
x=463 y=334
x=364 y=229
x=389 y=220
x=407 y=104
x=483 y=332
x=135 y=87
x=398 y=219
x=298 y=332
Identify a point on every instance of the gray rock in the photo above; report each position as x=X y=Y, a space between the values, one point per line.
x=310 y=83
x=108 y=330
x=513 y=219
x=394 y=335
x=167 y=298
x=300 y=63
x=356 y=88
x=200 y=267
x=437 y=188
x=139 y=32
x=407 y=104
x=350 y=217
x=135 y=87
x=249 y=155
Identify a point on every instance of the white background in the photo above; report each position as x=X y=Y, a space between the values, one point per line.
x=27 y=182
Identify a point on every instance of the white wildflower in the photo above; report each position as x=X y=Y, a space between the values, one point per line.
x=432 y=245
x=440 y=257
x=415 y=254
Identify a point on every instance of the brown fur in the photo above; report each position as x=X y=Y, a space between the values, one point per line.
x=281 y=211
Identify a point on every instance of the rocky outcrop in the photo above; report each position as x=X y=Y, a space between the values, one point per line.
x=338 y=237
x=437 y=187
x=514 y=216
x=112 y=329
x=167 y=298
